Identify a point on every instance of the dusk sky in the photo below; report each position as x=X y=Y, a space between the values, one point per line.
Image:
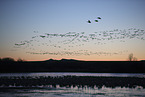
x=44 y=29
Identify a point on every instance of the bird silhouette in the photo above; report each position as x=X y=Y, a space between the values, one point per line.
x=96 y=20
x=99 y=18
x=89 y=21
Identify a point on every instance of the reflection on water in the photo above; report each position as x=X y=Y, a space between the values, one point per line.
x=72 y=85
x=74 y=91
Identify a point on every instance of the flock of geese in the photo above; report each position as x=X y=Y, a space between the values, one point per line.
x=77 y=43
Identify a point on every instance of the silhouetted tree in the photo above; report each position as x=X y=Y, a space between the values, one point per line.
x=134 y=59
x=20 y=60
x=130 y=57
x=7 y=59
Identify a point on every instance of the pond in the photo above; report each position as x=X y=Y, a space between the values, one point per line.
x=72 y=84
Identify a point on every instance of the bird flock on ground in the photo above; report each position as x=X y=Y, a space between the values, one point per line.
x=77 y=43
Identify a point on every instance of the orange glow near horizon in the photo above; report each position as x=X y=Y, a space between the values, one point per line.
x=85 y=58
x=73 y=29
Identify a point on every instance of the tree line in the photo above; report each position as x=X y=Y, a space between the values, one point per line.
x=9 y=59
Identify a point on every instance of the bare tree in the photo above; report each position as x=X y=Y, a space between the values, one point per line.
x=20 y=60
x=130 y=57
x=134 y=59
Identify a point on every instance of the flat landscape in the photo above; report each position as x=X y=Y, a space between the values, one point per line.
x=70 y=65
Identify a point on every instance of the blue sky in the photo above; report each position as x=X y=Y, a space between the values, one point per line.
x=20 y=18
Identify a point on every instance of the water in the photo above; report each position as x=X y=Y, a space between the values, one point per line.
x=74 y=90
x=75 y=74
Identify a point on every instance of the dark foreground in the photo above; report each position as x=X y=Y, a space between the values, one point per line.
x=65 y=65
